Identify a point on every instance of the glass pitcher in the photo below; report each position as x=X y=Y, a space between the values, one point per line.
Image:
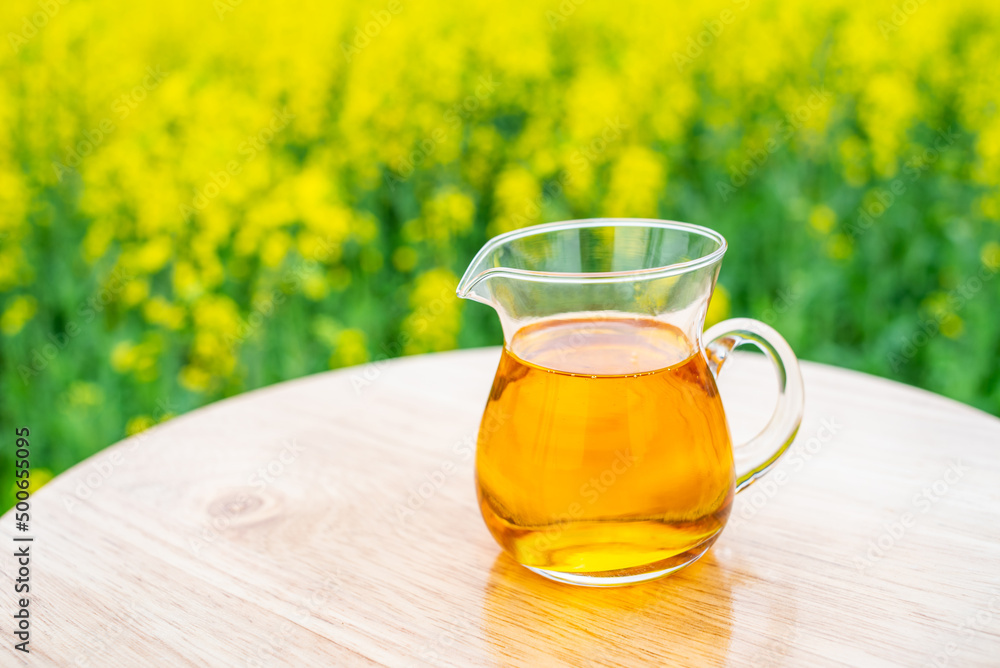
x=604 y=457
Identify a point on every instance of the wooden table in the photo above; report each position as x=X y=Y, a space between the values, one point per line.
x=332 y=521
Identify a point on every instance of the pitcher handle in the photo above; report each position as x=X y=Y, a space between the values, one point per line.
x=756 y=456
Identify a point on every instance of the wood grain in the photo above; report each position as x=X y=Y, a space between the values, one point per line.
x=332 y=521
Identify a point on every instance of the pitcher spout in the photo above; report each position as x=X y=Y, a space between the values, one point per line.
x=475 y=283
x=597 y=268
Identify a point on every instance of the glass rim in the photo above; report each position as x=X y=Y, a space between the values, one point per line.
x=469 y=280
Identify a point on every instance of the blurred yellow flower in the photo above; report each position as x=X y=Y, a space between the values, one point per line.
x=989 y=205
x=448 y=214
x=637 y=181
x=194 y=379
x=82 y=393
x=822 y=218
x=854 y=159
x=315 y=286
x=135 y=291
x=275 y=248
x=14 y=269
x=952 y=326
x=153 y=255
x=350 y=348
x=138 y=358
x=216 y=313
x=138 y=424
x=123 y=356
x=518 y=201
x=97 y=241
x=434 y=323
x=159 y=311
x=887 y=107
x=839 y=247
x=404 y=259
x=185 y=280
x=990 y=255
x=326 y=329
x=17 y=313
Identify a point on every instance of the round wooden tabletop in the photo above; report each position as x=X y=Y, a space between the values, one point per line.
x=333 y=521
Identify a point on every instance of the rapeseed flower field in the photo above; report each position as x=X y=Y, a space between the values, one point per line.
x=208 y=197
